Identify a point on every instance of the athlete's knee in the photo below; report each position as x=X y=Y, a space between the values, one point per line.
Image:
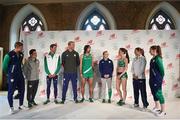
x=118 y=89
x=124 y=91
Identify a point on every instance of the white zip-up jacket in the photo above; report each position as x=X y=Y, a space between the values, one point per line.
x=138 y=67
x=52 y=64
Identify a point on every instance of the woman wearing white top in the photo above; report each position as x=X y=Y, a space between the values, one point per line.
x=139 y=79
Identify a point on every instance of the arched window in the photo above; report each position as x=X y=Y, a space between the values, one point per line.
x=95 y=21
x=163 y=17
x=95 y=17
x=18 y=23
x=161 y=21
x=32 y=23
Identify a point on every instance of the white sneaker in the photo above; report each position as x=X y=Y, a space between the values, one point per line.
x=160 y=114
x=11 y=111
x=136 y=105
x=144 y=109
x=155 y=110
x=22 y=107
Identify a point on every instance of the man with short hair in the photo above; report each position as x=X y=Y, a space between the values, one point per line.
x=12 y=66
x=70 y=62
x=31 y=72
x=52 y=65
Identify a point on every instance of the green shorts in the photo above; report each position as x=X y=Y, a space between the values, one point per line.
x=124 y=76
x=88 y=75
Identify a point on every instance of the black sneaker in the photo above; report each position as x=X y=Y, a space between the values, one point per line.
x=34 y=103
x=109 y=100
x=46 y=102
x=91 y=100
x=30 y=105
x=76 y=101
x=62 y=102
x=103 y=101
x=82 y=100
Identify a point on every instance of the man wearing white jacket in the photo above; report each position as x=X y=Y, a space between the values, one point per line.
x=52 y=67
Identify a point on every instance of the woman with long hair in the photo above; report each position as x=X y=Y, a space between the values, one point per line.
x=156 y=79
x=139 y=79
x=121 y=78
x=86 y=71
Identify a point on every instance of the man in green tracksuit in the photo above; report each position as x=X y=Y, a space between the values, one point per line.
x=12 y=66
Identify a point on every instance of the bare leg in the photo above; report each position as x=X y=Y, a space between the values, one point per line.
x=90 y=82
x=163 y=107
x=83 y=82
x=156 y=104
x=118 y=83
x=124 y=84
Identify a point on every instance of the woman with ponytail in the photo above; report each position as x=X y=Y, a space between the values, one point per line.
x=139 y=79
x=156 y=79
x=121 y=78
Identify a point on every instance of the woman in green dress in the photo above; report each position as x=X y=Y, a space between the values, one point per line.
x=86 y=72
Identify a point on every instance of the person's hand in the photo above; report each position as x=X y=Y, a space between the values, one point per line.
x=135 y=77
x=106 y=76
x=81 y=75
x=53 y=75
x=120 y=75
x=50 y=76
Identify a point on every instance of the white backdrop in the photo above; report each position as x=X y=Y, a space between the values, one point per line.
x=112 y=40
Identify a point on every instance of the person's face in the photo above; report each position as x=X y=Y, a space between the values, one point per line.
x=121 y=53
x=137 y=53
x=88 y=50
x=34 y=54
x=152 y=52
x=19 y=48
x=106 y=55
x=53 y=49
x=72 y=46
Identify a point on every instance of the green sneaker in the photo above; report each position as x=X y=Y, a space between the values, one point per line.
x=46 y=102
x=119 y=102
x=56 y=102
x=62 y=102
x=103 y=101
x=82 y=100
x=91 y=100
x=122 y=103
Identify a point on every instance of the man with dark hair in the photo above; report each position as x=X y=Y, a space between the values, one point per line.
x=31 y=72
x=70 y=62
x=12 y=66
x=52 y=67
